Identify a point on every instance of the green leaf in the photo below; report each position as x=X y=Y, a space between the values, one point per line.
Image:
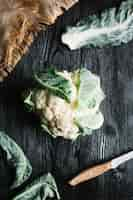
x=113 y=27
x=90 y=121
x=29 y=104
x=41 y=189
x=55 y=83
x=17 y=159
x=88 y=116
x=90 y=92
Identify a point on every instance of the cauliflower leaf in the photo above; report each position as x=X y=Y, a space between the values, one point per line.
x=90 y=97
x=40 y=189
x=17 y=159
x=56 y=83
x=112 y=27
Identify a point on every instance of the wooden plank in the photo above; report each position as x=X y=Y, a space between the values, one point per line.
x=64 y=158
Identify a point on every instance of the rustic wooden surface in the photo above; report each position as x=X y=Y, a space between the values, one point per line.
x=61 y=157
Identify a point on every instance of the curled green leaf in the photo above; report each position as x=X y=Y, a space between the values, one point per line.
x=56 y=83
x=16 y=157
x=41 y=189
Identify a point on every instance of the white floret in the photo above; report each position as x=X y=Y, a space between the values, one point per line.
x=40 y=100
x=58 y=113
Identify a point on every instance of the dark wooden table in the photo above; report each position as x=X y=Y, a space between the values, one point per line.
x=61 y=157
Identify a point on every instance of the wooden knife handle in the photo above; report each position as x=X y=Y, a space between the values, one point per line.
x=90 y=173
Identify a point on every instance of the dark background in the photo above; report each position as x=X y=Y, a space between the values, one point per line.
x=62 y=157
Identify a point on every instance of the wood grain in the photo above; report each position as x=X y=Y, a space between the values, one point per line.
x=61 y=157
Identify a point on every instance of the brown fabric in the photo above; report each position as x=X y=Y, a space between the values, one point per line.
x=20 y=21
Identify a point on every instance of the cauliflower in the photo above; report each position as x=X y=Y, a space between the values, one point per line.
x=67 y=103
x=58 y=114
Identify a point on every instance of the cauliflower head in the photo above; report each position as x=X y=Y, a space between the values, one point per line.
x=67 y=102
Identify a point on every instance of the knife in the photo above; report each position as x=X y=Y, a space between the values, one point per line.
x=100 y=169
